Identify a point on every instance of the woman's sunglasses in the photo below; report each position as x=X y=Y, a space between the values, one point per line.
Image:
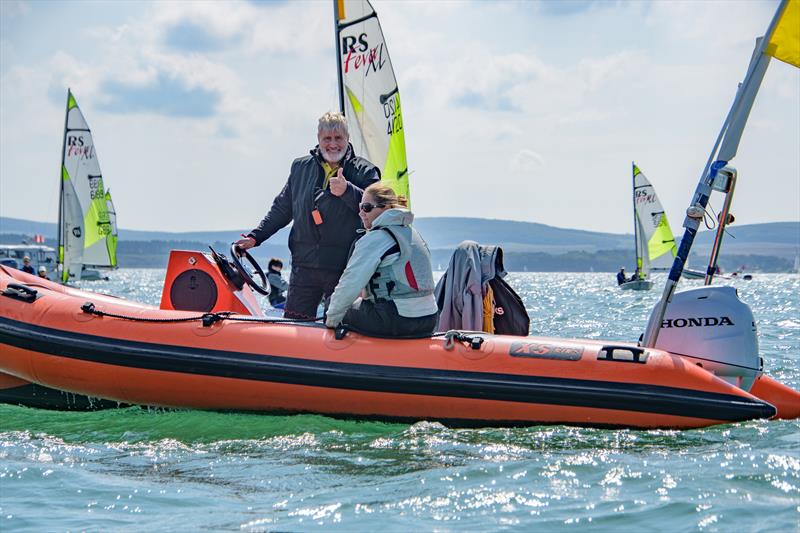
x=367 y=207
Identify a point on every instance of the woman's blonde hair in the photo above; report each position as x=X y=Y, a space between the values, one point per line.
x=385 y=196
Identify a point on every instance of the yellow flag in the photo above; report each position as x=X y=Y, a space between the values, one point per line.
x=784 y=43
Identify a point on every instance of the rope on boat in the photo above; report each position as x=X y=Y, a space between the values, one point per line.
x=208 y=319
x=453 y=335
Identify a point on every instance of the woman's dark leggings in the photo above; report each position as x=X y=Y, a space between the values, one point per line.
x=381 y=319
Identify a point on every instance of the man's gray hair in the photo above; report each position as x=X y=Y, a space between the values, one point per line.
x=333 y=120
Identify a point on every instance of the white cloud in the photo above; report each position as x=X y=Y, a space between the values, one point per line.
x=491 y=92
x=526 y=162
x=718 y=24
x=11 y=9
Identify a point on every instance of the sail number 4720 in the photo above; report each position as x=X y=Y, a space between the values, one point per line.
x=394 y=118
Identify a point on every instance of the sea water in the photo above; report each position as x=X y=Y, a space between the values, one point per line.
x=165 y=470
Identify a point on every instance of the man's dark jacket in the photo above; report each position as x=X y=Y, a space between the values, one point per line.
x=326 y=245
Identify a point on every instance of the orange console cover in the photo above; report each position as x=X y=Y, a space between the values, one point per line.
x=194 y=283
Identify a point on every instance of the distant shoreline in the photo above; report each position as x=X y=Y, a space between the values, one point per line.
x=527 y=246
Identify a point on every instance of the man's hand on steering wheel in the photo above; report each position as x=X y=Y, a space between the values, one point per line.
x=244 y=244
x=238 y=252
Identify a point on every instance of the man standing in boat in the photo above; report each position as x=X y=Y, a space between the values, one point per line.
x=321 y=197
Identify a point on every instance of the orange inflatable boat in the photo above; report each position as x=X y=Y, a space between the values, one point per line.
x=208 y=347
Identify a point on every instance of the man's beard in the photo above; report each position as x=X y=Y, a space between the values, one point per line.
x=332 y=156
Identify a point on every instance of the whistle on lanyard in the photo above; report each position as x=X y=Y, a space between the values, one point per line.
x=315 y=214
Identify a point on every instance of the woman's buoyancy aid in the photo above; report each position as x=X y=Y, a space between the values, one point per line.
x=407 y=280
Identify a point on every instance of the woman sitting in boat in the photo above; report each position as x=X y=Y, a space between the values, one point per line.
x=392 y=264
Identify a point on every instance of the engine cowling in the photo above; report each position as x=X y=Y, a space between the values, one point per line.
x=713 y=328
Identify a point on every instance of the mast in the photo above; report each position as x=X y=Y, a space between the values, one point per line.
x=724 y=150
x=338 y=13
x=61 y=237
x=635 y=216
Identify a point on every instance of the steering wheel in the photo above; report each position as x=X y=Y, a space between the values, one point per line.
x=226 y=269
x=236 y=254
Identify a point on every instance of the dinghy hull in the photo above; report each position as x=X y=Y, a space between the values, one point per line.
x=244 y=364
x=637 y=285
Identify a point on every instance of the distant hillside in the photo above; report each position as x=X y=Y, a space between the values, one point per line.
x=446 y=232
x=439 y=232
x=536 y=247
x=48 y=229
x=780 y=239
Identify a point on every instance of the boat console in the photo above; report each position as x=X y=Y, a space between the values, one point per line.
x=195 y=282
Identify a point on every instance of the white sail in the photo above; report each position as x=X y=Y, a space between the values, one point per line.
x=655 y=243
x=87 y=236
x=368 y=92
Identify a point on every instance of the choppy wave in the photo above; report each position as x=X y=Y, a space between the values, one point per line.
x=138 y=469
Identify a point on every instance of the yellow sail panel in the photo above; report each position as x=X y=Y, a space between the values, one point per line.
x=395 y=170
x=111 y=243
x=784 y=43
x=662 y=241
x=357 y=107
x=111 y=238
x=96 y=222
x=64 y=271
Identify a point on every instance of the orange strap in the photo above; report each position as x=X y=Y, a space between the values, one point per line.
x=488 y=310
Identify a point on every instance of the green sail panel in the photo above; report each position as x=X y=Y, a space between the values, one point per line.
x=662 y=242
x=111 y=238
x=395 y=170
x=371 y=96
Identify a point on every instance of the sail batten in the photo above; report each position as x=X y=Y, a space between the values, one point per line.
x=368 y=92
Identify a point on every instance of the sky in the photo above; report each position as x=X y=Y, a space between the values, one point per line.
x=528 y=111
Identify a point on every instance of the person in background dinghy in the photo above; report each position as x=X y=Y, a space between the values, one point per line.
x=392 y=264
x=26 y=265
x=276 y=284
x=321 y=197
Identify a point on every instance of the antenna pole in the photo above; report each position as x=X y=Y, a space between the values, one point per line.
x=635 y=218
